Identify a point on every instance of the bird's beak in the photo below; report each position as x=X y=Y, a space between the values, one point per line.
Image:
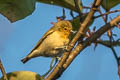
x=73 y=31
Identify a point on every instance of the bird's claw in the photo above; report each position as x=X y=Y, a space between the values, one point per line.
x=62 y=47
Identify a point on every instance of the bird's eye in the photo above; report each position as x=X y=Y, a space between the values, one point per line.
x=65 y=28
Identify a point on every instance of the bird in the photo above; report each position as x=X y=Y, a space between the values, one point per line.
x=53 y=43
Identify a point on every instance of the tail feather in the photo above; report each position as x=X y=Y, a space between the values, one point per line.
x=24 y=60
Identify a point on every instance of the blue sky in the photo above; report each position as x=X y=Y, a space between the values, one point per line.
x=17 y=40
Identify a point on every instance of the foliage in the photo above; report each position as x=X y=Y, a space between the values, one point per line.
x=23 y=75
x=108 y=4
x=16 y=10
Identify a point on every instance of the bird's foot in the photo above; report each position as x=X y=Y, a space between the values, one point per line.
x=62 y=47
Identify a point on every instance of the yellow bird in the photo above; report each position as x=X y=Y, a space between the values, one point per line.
x=53 y=43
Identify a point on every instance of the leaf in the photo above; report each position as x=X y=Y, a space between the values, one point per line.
x=108 y=4
x=16 y=9
x=63 y=3
x=76 y=22
x=23 y=75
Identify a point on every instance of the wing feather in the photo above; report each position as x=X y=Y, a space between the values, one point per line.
x=42 y=39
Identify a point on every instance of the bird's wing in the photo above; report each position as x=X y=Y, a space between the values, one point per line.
x=41 y=40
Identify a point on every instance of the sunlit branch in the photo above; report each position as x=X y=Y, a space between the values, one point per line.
x=82 y=30
x=3 y=71
x=88 y=41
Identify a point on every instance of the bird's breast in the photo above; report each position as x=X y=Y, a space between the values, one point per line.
x=56 y=39
x=47 y=47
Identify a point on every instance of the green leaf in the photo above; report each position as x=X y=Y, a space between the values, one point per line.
x=108 y=4
x=76 y=22
x=16 y=9
x=23 y=75
x=63 y=3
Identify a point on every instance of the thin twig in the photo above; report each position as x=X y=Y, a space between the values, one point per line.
x=102 y=15
x=109 y=32
x=3 y=71
x=56 y=72
x=77 y=6
x=86 y=7
x=109 y=12
x=111 y=45
x=115 y=55
x=88 y=41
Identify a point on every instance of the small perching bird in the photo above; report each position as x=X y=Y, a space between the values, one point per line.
x=53 y=43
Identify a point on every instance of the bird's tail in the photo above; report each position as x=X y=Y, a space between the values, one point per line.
x=24 y=60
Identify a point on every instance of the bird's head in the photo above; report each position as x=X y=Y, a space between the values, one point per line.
x=64 y=27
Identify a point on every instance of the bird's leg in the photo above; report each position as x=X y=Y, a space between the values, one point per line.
x=58 y=59
x=52 y=61
x=61 y=48
x=51 y=66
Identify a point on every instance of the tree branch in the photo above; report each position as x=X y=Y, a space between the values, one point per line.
x=80 y=32
x=109 y=12
x=3 y=71
x=111 y=46
x=108 y=43
x=88 y=41
x=77 y=6
x=115 y=55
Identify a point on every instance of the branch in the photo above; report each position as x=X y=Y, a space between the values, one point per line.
x=108 y=43
x=111 y=46
x=88 y=41
x=109 y=12
x=83 y=28
x=86 y=7
x=115 y=55
x=80 y=32
x=105 y=19
x=3 y=71
x=110 y=34
x=78 y=7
